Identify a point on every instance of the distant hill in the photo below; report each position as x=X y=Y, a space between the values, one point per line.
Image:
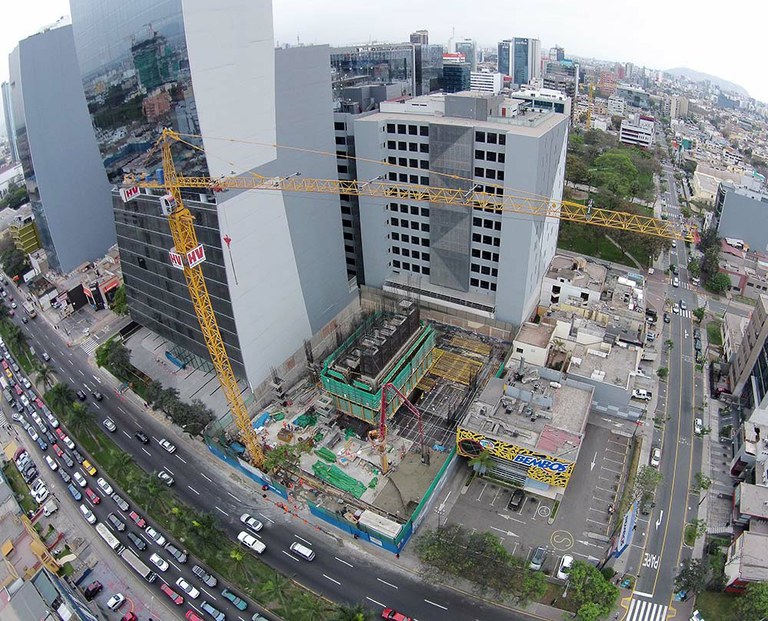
x=698 y=76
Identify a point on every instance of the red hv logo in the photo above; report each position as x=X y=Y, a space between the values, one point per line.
x=196 y=256
x=176 y=259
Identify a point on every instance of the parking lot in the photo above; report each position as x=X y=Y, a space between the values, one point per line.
x=585 y=516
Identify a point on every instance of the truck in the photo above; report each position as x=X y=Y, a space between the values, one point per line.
x=30 y=310
x=139 y=567
x=50 y=507
x=111 y=540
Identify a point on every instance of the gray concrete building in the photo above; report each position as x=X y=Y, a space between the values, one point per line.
x=468 y=260
x=65 y=179
x=274 y=264
x=743 y=215
x=5 y=88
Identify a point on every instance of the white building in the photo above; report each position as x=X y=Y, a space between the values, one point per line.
x=486 y=82
x=678 y=107
x=470 y=260
x=572 y=280
x=638 y=130
x=544 y=99
x=616 y=106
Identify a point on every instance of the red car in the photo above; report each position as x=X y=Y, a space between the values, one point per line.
x=140 y=521
x=5 y=364
x=173 y=595
x=57 y=450
x=39 y=403
x=92 y=495
x=18 y=390
x=129 y=616
x=60 y=433
x=193 y=616
x=389 y=613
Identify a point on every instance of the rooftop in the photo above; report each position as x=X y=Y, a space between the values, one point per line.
x=533 y=412
x=536 y=334
x=603 y=362
x=754 y=551
x=753 y=500
x=578 y=271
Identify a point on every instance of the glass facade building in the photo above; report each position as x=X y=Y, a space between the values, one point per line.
x=367 y=64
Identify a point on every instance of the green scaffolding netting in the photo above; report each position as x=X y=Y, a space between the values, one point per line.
x=335 y=476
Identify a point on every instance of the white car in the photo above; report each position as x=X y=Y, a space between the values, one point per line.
x=675 y=281
x=24 y=401
x=32 y=433
x=109 y=424
x=675 y=309
x=167 y=445
x=251 y=522
x=40 y=494
x=655 y=457
x=117 y=600
x=79 y=479
x=88 y=514
x=26 y=383
x=159 y=562
x=165 y=477
x=104 y=486
x=252 y=542
x=51 y=463
x=698 y=426
x=191 y=591
x=155 y=536
x=68 y=441
x=683 y=305
x=53 y=420
x=565 y=567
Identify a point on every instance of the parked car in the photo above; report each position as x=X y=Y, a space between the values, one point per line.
x=104 y=486
x=394 y=615
x=74 y=492
x=92 y=496
x=120 y=502
x=137 y=541
x=655 y=457
x=187 y=588
x=237 y=602
x=159 y=562
x=565 y=567
x=537 y=558
x=65 y=476
x=117 y=600
x=206 y=578
x=517 y=499
x=92 y=590
x=167 y=445
x=79 y=479
x=698 y=426
x=88 y=514
x=172 y=595
x=116 y=522
x=138 y=520
x=88 y=467
x=179 y=555
x=155 y=536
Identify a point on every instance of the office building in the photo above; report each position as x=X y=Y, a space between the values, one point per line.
x=557 y=53
x=634 y=96
x=520 y=58
x=466 y=260
x=616 y=106
x=743 y=215
x=678 y=107
x=456 y=77
x=274 y=262
x=384 y=63
x=468 y=47
x=5 y=88
x=638 y=131
x=420 y=37
x=544 y=99
x=486 y=82
x=24 y=233
x=64 y=175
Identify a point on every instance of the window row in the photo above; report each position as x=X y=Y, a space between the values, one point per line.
x=486 y=239
x=486 y=224
x=417 y=269
x=411 y=130
x=487 y=255
x=483 y=284
x=489 y=173
x=484 y=269
x=405 y=178
x=403 y=223
x=490 y=156
x=413 y=254
x=490 y=138
x=410 y=239
x=412 y=209
x=404 y=161
x=413 y=147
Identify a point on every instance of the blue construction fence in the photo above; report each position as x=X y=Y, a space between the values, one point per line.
x=236 y=463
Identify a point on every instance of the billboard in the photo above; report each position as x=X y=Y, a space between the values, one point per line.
x=624 y=537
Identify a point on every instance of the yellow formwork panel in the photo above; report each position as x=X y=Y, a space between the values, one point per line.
x=470 y=345
x=454 y=368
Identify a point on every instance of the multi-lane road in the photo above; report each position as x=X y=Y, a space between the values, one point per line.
x=681 y=451
x=340 y=572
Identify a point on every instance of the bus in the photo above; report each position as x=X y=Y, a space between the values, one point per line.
x=107 y=536
x=140 y=568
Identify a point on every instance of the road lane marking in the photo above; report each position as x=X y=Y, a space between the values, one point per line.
x=331 y=579
x=146 y=451
x=175 y=565
x=290 y=555
x=270 y=520
x=126 y=433
x=370 y=599
x=222 y=511
x=309 y=543
x=193 y=489
x=434 y=604
x=205 y=477
x=184 y=462
x=233 y=496
x=642 y=594
x=81 y=373
x=207 y=593
x=387 y=583
x=343 y=561
x=169 y=470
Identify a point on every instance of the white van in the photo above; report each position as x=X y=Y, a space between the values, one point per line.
x=643 y=395
x=303 y=551
x=49 y=508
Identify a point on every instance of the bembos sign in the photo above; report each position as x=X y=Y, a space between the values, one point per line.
x=128 y=193
x=176 y=259
x=196 y=256
x=538 y=462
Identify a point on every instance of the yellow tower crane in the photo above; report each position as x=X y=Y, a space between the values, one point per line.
x=189 y=254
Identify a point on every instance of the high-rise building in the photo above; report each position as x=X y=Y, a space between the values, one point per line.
x=5 y=88
x=464 y=259
x=274 y=262
x=520 y=58
x=421 y=37
x=384 y=63
x=678 y=107
x=563 y=75
x=557 y=53
x=456 y=77
x=64 y=175
x=468 y=47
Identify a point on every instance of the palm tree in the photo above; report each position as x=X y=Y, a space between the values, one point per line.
x=307 y=608
x=151 y=491
x=274 y=590
x=480 y=462
x=61 y=397
x=206 y=528
x=121 y=467
x=237 y=557
x=3 y=311
x=358 y=612
x=79 y=417
x=44 y=374
x=16 y=339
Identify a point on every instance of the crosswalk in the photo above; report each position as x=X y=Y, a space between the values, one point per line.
x=643 y=610
x=89 y=345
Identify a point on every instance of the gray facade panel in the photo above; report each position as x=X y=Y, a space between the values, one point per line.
x=745 y=218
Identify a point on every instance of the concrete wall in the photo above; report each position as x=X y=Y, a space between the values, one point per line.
x=745 y=218
x=69 y=175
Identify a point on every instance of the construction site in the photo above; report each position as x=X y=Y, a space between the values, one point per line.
x=374 y=435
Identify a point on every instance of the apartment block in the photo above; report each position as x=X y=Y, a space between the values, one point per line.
x=486 y=82
x=638 y=131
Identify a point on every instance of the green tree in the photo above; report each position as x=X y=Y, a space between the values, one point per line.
x=307 y=608
x=168 y=400
x=694 y=268
x=152 y=392
x=719 y=283
x=662 y=372
x=44 y=374
x=120 y=301
x=119 y=359
x=590 y=612
x=701 y=483
x=274 y=589
x=150 y=492
x=647 y=480
x=284 y=457
x=692 y=576
x=699 y=313
x=576 y=171
x=358 y=612
x=14 y=263
x=615 y=172
x=669 y=343
x=588 y=586
x=61 y=397
x=480 y=462
x=79 y=418
x=238 y=559
x=753 y=604
x=15 y=339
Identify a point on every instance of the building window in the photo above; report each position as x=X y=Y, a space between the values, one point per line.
x=487 y=239
x=339 y=126
x=404 y=208
x=425 y=227
x=341 y=140
x=475 y=268
x=474 y=282
x=392 y=176
x=497 y=225
x=424 y=130
x=491 y=156
x=479 y=155
x=424 y=164
x=391 y=144
x=476 y=253
x=402 y=161
x=394 y=221
x=476 y=237
x=413 y=130
x=424 y=148
x=492 y=138
x=396 y=264
x=480 y=136
x=414 y=179
x=416 y=268
x=494 y=272
x=413 y=163
x=413 y=146
x=500 y=175
x=402 y=146
x=396 y=236
x=425 y=271
x=477 y=222
x=406 y=266
x=406 y=252
x=495 y=257
x=141 y=262
x=342 y=169
x=415 y=226
x=405 y=238
x=425 y=241
x=424 y=212
x=493 y=286
x=479 y=172
x=484 y=284
x=391 y=128
x=401 y=129
x=487 y=224
x=485 y=270
x=424 y=180
x=502 y=139
x=502 y=157
x=403 y=178
x=395 y=250
x=486 y=255
x=391 y=160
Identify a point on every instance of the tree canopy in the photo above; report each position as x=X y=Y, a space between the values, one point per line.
x=753 y=605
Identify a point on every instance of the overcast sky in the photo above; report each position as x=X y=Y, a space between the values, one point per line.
x=723 y=39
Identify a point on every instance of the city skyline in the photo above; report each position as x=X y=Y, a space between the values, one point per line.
x=666 y=42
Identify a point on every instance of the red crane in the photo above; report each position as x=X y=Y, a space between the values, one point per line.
x=379 y=436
